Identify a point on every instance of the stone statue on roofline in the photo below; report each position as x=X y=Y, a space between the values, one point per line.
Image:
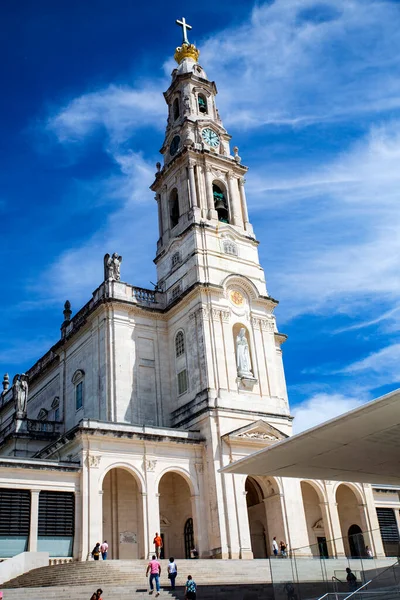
x=112 y=267
x=20 y=394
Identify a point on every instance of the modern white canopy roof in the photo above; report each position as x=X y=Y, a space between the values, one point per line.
x=361 y=445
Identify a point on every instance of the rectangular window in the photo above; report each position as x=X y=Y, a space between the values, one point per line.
x=56 y=523
x=182 y=382
x=176 y=291
x=15 y=515
x=389 y=531
x=79 y=395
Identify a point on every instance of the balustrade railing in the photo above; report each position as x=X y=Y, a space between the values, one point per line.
x=143 y=295
x=35 y=426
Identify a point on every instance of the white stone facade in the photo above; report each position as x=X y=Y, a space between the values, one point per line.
x=139 y=405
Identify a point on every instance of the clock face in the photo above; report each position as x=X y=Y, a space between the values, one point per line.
x=210 y=137
x=173 y=149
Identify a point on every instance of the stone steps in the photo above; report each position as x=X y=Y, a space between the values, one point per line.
x=131 y=573
x=224 y=592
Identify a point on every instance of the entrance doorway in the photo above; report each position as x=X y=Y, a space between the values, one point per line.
x=122 y=515
x=323 y=547
x=189 y=538
x=176 y=516
x=356 y=542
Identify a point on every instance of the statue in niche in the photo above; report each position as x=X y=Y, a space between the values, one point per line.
x=112 y=267
x=243 y=355
x=20 y=394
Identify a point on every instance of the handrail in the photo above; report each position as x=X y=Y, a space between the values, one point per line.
x=358 y=589
x=339 y=580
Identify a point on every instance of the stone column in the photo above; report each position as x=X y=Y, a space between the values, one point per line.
x=336 y=529
x=165 y=213
x=192 y=186
x=243 y=524
x=211 y=213
x=197 y=525
x=153 y=509
x=199 y=511
x=95 y=502
x=34 y=521
x=326 y=518
x=373 y=538
x=78 y=540
x=234 y=200
x=243 y=202
x=232 y=517
x=146 y=551
x=160 y=215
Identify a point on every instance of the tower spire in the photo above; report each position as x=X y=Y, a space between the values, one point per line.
x=187 y=50
x=185 y=27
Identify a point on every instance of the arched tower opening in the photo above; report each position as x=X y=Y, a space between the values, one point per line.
x=220 y=203
x=174 y=208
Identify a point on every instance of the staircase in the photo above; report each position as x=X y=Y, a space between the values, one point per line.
x=225 y=579
x=228 y=580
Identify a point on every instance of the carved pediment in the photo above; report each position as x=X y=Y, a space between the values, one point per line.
x=259 y=432
x=164 y=522
x=318 y=527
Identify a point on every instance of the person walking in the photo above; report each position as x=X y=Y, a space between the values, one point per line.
x=351 y=580
x=104 y=550
x=275 y=546
x=369 y=552
x=96 y=551
x=282 y=546
x=190 y=589
x=172 y=572
x=99 y=593
x=158 y=544
x=154 y=568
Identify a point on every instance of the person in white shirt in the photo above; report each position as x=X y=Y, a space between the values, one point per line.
x=275 y=548
x=104 y=550
x=172 y=572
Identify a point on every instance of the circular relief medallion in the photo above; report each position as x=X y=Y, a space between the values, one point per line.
x=236 y=298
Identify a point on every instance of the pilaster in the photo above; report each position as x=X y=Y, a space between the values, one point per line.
x=235 y=200
x=153 y=511
x=34 y=522
x=245 y=551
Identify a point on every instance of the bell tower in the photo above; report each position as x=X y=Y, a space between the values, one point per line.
x=204 y=228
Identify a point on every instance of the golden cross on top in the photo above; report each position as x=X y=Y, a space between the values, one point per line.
x=184 y=26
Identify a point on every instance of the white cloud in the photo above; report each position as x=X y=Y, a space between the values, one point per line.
x=296 y=62
x=383 y=363
x=119 y=110
x=21 y=351
x=130 y=230
x=341 y=249
x=322 y=407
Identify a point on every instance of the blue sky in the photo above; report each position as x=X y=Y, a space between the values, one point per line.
x=310 y=92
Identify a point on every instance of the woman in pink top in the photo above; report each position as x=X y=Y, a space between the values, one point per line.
x=154 y=568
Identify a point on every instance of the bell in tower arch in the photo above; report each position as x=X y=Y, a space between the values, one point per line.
x=202 y=102
x=220 y=204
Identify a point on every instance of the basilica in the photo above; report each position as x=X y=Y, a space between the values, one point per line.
x=121 y=429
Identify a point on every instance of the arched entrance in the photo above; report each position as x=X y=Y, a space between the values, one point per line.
x=176 y=516
x=350 y=520
x=356 y=542
x=314 y=520
x=257 y=518
x=122 y=515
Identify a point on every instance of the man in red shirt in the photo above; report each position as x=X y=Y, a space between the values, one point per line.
x=158 y=544
x=154 y=568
